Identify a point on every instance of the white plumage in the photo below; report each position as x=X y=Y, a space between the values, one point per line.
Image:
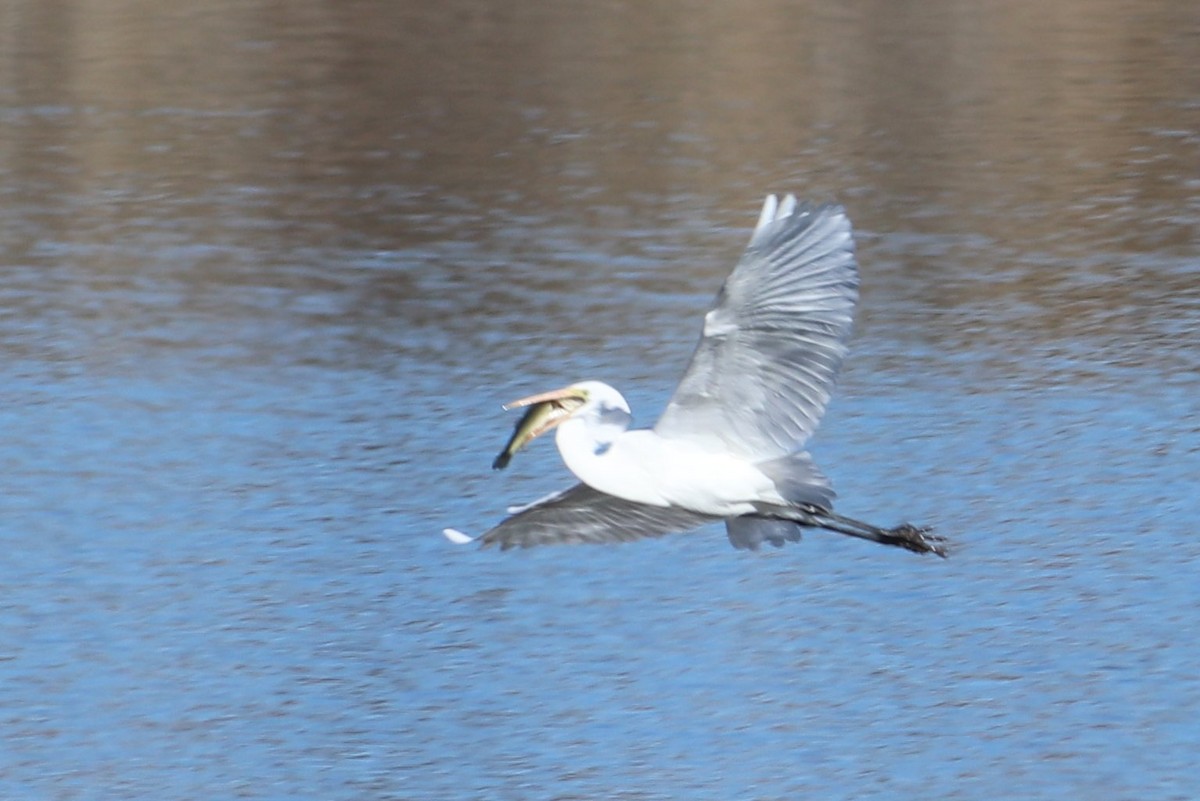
x=730 y=443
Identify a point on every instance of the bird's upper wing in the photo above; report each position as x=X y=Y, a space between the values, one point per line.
x=582 y=514
x=772 y=345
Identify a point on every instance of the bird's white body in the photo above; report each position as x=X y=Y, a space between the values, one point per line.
x=645 y=467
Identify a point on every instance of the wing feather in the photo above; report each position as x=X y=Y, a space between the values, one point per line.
x=582 y=514
x=764 y=370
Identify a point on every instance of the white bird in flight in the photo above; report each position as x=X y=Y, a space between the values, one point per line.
x=730 y=445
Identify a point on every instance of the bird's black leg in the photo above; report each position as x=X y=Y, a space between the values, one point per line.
x=905 y=535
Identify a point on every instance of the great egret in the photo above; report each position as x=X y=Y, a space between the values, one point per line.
x=730 y=443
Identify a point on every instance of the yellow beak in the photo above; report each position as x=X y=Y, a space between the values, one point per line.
x=554 y=395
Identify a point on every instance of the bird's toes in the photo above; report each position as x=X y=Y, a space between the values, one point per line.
x=920 y=539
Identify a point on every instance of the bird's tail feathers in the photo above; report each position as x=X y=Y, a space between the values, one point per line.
x=799 y=480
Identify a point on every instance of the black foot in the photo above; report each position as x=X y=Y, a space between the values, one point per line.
x=917 y=538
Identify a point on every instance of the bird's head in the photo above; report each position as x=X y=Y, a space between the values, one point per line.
x=594 y=401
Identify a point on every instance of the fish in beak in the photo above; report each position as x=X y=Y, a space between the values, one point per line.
x=544 y=412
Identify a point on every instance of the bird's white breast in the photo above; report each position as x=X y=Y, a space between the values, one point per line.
x=647 y=468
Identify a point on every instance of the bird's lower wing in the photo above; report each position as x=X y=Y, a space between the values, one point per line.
x=581 y=514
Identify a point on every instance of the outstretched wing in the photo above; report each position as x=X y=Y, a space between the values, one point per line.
x=772 y=345
x=582 y=514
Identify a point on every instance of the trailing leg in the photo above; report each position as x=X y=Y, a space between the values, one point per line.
x=913 y=538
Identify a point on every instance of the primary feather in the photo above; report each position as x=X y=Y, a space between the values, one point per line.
x=764 y=370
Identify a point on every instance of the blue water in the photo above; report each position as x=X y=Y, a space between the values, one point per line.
x=224 y=576
x=254 y=345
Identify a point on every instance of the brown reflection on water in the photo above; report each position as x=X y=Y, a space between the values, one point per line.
x=1007 y=153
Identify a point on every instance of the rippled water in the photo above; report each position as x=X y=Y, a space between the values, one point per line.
x=268 y=273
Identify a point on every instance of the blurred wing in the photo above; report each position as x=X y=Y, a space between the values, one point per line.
x=582 y=514
x=772 y=345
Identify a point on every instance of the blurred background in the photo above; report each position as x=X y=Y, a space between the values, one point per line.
x=268 y=270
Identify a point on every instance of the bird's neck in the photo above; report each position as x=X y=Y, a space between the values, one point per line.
x=585 y=445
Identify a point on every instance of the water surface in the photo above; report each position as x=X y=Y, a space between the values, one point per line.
x=268 y=273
